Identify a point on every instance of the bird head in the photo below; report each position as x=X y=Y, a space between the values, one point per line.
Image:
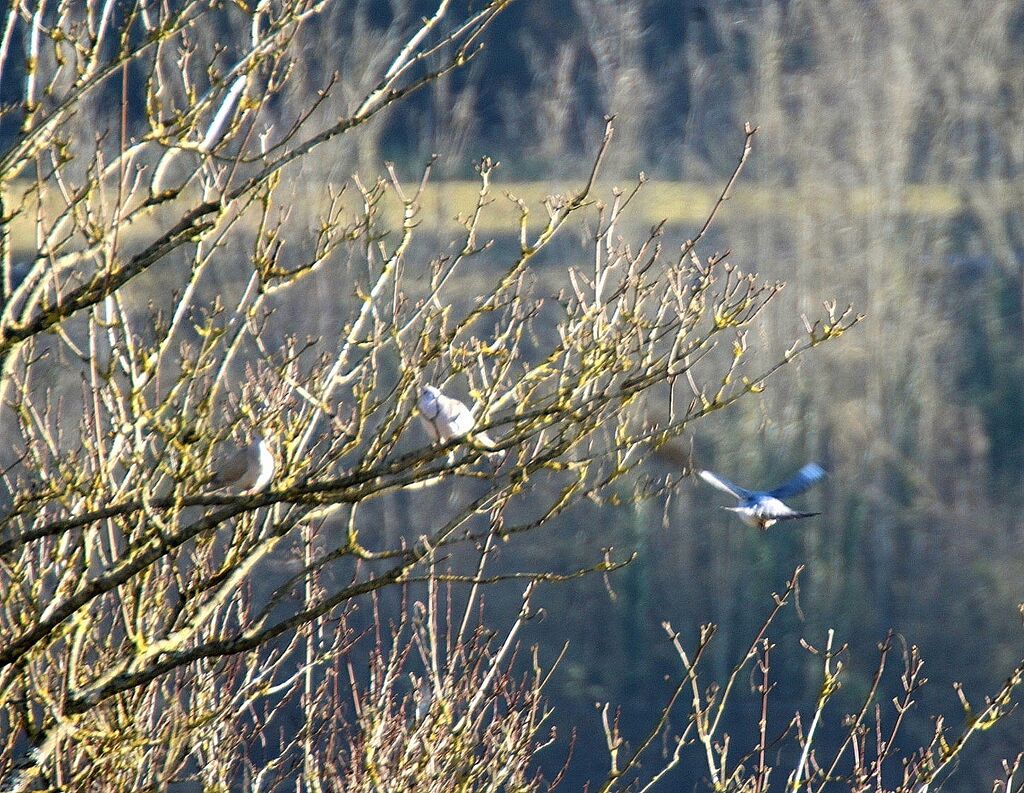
x=428 y=401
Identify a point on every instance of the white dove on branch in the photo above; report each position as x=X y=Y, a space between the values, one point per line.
x=445 y=418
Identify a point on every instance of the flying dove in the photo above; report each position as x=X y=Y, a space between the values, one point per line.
x=247 y=471
x=762 y=508
x=445 y=418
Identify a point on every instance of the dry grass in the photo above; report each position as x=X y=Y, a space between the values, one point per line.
x=443 y=204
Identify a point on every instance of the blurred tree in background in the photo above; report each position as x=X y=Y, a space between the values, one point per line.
x=202 y=242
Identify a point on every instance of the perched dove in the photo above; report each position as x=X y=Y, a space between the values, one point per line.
x=424 y=696
x=247 y=471
x=762 y=508
x=446 y=418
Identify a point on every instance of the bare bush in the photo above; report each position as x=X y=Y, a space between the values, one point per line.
x=155 y=631
x=867 y=750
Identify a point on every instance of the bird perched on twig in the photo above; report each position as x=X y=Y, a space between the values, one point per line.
x=246 y=472
x=763 y=508
x=445 y=418
x=424 y=696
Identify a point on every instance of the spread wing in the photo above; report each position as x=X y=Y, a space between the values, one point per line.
x=725 y=485
x=810 y=474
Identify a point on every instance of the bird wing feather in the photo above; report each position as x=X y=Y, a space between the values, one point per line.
x=724 y=485
x=769 y=507
x=232 y=469
x=810 y=474
x=456 y=415
x=431 y=427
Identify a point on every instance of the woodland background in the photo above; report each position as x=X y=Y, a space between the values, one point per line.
x=888 y=172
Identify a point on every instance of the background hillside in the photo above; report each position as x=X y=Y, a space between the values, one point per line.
x=888 y=173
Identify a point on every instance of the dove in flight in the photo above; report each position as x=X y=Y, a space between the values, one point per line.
x=763 y=508
x=445 y=418
x=247 y=471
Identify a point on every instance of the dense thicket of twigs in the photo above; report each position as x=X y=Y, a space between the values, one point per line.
x=177 y=297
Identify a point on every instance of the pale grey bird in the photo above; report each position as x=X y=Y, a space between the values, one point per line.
x=763 y=508
x=445 y=418
x=424 y=696
x=247 y=471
